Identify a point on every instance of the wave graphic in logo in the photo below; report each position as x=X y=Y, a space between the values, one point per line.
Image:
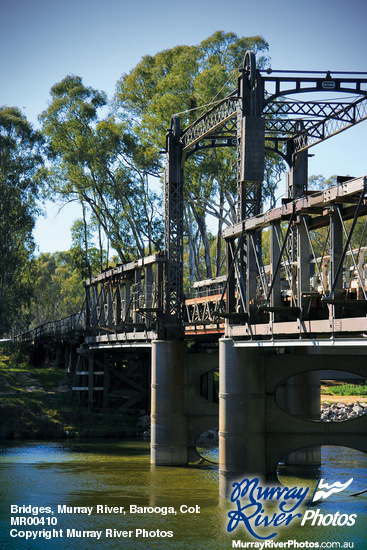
x=324 y=490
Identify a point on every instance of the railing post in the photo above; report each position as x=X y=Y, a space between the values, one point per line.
x=118 y=303
x=231 y=281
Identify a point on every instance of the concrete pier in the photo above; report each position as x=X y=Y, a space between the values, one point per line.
x=169 y=404
x=269 y=408
x=242 y=431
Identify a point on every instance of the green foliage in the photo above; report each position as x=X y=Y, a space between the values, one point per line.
x=20 y=158
x=104 y=159
x=348 y=389
x=58 y=290
x=88 y=259
x=319 y=182
x=320 y=237
x=185 y=80
x=181 y=79
x=16 y=369
x=98 y=162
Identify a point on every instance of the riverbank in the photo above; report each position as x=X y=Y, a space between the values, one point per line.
x=36 y=404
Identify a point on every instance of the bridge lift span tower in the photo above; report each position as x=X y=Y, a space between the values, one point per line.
x=278 y=324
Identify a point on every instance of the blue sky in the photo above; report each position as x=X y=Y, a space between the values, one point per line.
x=41 y=41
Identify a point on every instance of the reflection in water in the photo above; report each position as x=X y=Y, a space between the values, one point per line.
x=118 y=474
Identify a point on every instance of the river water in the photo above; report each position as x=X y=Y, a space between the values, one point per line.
x=118 y=474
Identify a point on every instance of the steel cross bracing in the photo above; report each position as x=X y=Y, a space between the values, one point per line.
x=217 y=127
x=312 y=293
x=322 y=119
x=254 y=117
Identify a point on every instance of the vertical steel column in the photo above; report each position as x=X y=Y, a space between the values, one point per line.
x=169 y=403
x=250 y=139
x=136 y=296
x=303 y=261
x=250 y=162
x=103 y=302
x=251 y=272
x=242 y=447
x=297 y=177
x=127 y=304
x=109 y=300
x=275 y=295
x=336 y=251
x=168 y=386
x=173 y=218
x=297 y=182
x=159 y=283
x=231 y=281
x=88 y=305
x=148 y=285
x=94 y=305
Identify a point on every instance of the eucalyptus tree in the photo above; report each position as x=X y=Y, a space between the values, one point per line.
x=57 y=289
x=20 y=158
x=185 y=80
x=95 y=160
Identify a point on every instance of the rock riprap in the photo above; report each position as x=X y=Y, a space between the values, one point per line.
x=339 y=412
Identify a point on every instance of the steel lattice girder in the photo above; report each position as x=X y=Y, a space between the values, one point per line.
x=332 y=126
x=217 y=127
x=208 y=124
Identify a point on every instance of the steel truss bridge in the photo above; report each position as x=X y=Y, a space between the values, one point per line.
x=293 y=294
x=311 y=292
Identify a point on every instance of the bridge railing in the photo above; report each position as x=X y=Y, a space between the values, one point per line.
x=127 y=297
x=203 y=305
x=55 y=331
x=300 y=284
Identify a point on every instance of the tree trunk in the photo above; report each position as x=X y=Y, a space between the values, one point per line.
x=86 y=250
x=218 y=260
x=200 y=220
x=190 y=238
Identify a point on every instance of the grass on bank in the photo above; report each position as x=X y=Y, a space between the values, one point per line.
x=359 y=390
x=35 y=404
